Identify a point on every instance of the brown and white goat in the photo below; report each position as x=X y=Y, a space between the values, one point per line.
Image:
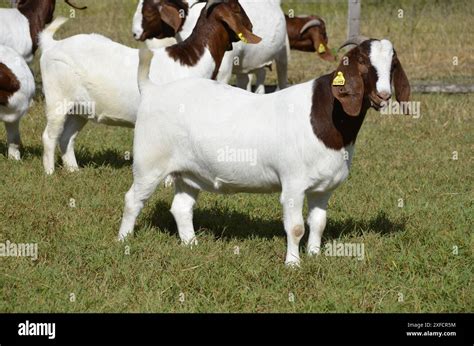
x=300 y=140
x=20 y=27
x=89 y=77
x=308 y=34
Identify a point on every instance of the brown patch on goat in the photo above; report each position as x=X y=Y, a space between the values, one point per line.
x=39 y=13
x=298 y=231
x=310 y=39
x=216 y=30
x=339 y=111
x=162 y=19
x=9 y=84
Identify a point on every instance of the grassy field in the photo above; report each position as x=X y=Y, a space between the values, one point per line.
x=418 y=257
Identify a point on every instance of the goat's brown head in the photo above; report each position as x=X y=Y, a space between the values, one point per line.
x=366 y=73
x=159 y=18
x=235 y=19
x=315 y=31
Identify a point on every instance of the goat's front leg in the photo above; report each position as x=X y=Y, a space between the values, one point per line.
x=260 y=83
x=292 y=202
x=74 y=124
x=182 y=209
x=317 y=205
x=14 y=140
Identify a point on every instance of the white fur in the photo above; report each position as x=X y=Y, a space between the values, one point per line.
x=15 y=32
x=268 y=22
x=183 y=137
x=381 y=54
x=137 y=21
x=19 y=102
x=94 y=70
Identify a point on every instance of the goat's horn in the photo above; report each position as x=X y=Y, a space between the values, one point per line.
x=211 y=3
x=310 y=24
x=354 y=41
x=74 y=6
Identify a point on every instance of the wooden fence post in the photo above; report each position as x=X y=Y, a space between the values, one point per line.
x=353 y=20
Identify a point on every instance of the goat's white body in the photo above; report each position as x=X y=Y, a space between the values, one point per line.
x=19 y=102
x=15 y=32
x=94 y=70
x=269 y=23
x=186 y=137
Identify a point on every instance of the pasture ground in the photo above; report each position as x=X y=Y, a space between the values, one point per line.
x=418 y=257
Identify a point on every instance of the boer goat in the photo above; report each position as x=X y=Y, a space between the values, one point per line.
x=242 y=60
x=17 y=88
x=308 y=34
x=20 y=27
x=91 y=77
x=302 y=138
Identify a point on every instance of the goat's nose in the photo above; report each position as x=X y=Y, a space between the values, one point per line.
x=384 y=95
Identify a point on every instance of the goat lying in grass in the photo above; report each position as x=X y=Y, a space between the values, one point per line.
x=17 y=88
x=303 y=139
x=91 y=77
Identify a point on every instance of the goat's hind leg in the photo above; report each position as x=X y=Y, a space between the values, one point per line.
x=74 y=124
x=141 y=190
x=56 y=117
x=182 y=209
x=13 y=139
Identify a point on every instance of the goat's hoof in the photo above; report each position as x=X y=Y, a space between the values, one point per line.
x=14 y=155
x=293 y=264
x=190 y=243
x=314 y=251
x=72 y=169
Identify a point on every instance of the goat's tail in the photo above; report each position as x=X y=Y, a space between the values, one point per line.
x=144 y=67
x=46 y=37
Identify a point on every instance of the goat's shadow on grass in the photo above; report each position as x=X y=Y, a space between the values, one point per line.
x=108 y=157
x=229 y=224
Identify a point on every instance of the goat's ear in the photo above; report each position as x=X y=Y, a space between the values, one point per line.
x=348 y=87
x=171 y=16
x=400 y=82
x=240 y=30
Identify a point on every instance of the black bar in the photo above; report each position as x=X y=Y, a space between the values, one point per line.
x=220 y=329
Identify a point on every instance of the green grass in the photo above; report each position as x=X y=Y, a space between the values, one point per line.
x=408 y=250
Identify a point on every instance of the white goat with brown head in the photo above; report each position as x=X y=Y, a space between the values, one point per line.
x=302 y=140
x=89 y=77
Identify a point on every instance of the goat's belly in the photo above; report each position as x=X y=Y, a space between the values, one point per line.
x=224 y=185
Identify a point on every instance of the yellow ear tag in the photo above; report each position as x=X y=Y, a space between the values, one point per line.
x=339 y=80
x=242 y=38
x=321 y=49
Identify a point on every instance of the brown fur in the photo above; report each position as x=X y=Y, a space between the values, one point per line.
x=216 y=29
x=163 y=18
x=339 y=111
x=39 y=13
x=309 y=40
x=9 y=84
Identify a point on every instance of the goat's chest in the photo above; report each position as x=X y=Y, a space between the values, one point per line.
x=330 y=169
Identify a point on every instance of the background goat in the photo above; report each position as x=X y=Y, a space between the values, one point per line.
x=20 y=27
x=269 y=23
x=17 y=88
x=303 y=139
x=308 y=34
x=91 y=77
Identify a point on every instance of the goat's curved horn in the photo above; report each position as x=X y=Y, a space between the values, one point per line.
x=74 y=6
x=310 y=24
x=354 y=41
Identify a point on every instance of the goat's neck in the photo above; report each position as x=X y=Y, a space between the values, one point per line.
x=212 y=36
x=334 y=127
x=39 y=13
